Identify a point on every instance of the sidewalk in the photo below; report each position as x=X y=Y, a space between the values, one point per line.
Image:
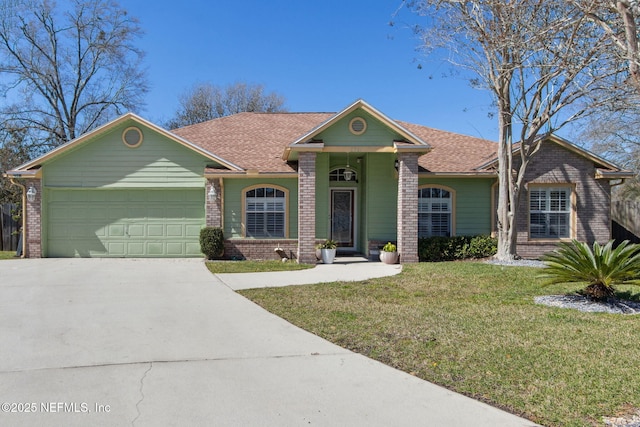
x=349 y=269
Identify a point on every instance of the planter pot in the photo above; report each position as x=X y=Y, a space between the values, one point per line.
x=389 y=257
x=328 y=255
x=318 y=254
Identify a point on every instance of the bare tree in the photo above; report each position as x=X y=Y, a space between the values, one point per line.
x=66 y=71
x=619 y=140
x=539 y=59
x=206 y=101
x=620 y=19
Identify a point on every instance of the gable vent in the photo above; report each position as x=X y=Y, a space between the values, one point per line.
x=358 y=126
x=132 y=137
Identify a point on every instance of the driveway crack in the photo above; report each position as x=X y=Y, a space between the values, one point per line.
x=141 y=393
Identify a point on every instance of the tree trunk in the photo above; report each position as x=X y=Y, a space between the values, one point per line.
x=506 y=201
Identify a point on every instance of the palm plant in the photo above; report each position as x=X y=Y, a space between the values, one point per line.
x=600 y=267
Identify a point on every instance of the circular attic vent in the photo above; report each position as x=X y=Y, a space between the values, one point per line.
x=132 y=137
x=358 y=126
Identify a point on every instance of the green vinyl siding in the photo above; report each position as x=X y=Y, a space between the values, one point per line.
x=106 y=162
x=234 y=192
x=323 y=217
x=473 y=203
x=377 y=134
x=381 y=197
x=124 y=223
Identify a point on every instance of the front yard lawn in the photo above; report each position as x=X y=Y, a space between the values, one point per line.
x=474 y=328
x=7 y=254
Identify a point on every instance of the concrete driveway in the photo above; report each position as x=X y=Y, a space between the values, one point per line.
x=106 y=342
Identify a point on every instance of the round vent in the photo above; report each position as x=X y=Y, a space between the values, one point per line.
x=357 y=126
x=132 y=137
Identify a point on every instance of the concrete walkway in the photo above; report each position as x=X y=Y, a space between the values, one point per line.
x=106 y=342
x=344 y=268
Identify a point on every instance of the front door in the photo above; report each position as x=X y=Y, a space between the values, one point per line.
x=342 y=217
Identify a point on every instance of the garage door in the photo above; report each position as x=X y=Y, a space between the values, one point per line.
x=124 y=223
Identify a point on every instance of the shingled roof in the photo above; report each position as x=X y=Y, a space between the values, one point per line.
x=256 y=141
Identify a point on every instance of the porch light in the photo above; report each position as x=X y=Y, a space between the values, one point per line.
x=31 y=194
x=348 y=175
x=212 y=194
x=396 y=165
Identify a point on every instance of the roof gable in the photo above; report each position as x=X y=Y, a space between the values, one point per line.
x=128 y=119
x=335 y=132
x=598 y=161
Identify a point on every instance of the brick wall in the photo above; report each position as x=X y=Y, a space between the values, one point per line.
x=408 y=207
x=306 y=207
x=554 y=164
x=33 y=235
x=214 y=207
x=261 y=249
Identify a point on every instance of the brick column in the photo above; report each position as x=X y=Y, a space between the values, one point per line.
x=213 y=207
x=32 y=239
x=306 y=208
x=408 y=207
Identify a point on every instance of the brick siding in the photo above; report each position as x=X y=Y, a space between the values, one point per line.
x=33 y=235
x=214 y=207
x=408 y=207
x=554 y=164
x=306 y=207
x=263 y=249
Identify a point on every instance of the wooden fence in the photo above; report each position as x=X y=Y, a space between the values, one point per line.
x=8 y=228
x=626 y=218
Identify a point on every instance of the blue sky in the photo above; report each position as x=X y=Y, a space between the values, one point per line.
x=320 y=55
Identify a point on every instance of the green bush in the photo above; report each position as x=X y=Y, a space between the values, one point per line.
x=433 y=249
x=482 y=246
x=212 y=242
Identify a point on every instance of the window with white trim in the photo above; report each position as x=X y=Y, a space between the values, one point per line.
x=265 y=212
x=434 y=212
x=549 y=212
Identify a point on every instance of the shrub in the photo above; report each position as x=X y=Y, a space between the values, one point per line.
x=600 y=267
x=433 y=249
x=482 y=247
x=212 y=242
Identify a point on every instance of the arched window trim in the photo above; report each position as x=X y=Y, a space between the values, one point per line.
x=340 y=175
x=286 y=209
x=452 y=192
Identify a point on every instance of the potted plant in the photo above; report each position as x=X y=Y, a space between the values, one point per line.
x=319 y=251
x=328 y=251
x=389 y=253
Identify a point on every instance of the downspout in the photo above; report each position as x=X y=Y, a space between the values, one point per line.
x=24 y=216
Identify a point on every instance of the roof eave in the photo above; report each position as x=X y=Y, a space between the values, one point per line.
x=487 y=174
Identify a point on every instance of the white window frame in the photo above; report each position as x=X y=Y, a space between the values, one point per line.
x=426 y=210
x=554 y=213
x=267 y=206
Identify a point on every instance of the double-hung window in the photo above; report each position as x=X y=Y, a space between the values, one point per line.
x=549 y=212
x=434 y=212
x=265 y=212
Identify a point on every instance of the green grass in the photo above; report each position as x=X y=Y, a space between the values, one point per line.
x=474 y=328
x=7 y=255
x=254 y=266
